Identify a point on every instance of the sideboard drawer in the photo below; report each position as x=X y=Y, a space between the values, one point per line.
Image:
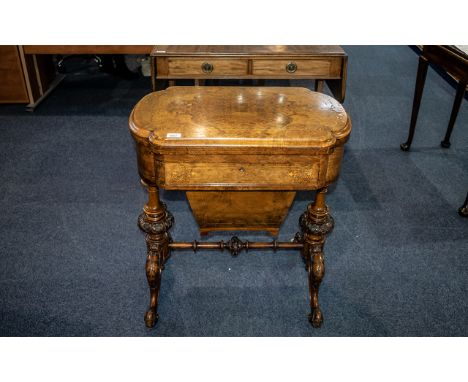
x=207 y=67
x=315 y=67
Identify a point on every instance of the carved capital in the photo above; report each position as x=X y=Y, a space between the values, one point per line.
x=316 y=227
x=155 y=227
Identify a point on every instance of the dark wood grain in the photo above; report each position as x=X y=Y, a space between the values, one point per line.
x=455 y=63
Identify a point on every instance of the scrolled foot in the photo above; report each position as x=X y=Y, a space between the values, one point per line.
x=151 y=317
x=316 y=318
x=405 y=146
x=463 y=211
x=445 y=144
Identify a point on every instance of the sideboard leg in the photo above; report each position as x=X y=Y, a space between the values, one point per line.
x=461 y=88
x=315 y=224
x=463 y=210
x=419 y=87
x=155 y=221
x=418 y=91
x=319 y=85
x=153 y=73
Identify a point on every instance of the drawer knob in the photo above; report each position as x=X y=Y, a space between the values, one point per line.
x=207 y=67
x=242 y=169
x=291 y=67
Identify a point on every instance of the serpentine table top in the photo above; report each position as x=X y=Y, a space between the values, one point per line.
x=209 y=127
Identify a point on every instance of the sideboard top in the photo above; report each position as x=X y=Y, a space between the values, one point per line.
x=247 y=50
x=268 y=117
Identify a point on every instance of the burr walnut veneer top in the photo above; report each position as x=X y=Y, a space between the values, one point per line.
x=243 y=117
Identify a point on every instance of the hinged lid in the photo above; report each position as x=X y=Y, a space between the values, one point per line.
x=266 y=118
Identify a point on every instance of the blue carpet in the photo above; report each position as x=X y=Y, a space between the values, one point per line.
x=72 y=258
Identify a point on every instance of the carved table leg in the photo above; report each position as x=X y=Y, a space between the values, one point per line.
x=155 y=221
x=315 y=224
x=463 y=210
x=461 y=88
x=420 y=79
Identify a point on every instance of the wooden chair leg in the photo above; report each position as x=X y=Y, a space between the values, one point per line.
x=463 y=210
x=419 y=87
x=453 y=116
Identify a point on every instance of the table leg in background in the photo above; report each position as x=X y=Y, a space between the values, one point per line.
x=319 y=85
x=153 y=73
x=453 y=116
x=420 y=80
x=463 y=210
